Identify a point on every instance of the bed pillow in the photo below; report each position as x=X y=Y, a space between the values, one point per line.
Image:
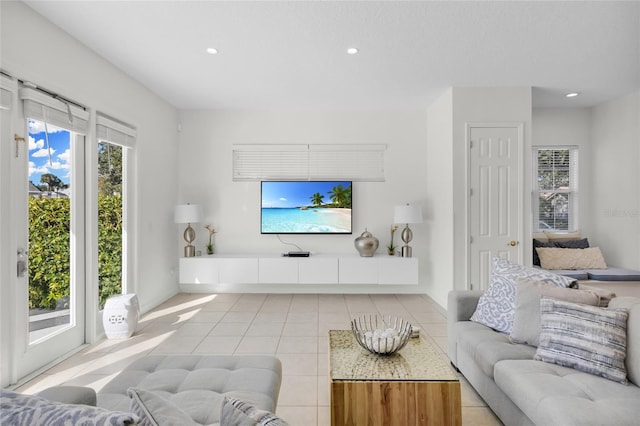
x=574 y=244
x=526 y=321
x=22 y=409
x=571 y=259
x=236 y=412
x=496 y=306
x=563 y=235
x=537 y=243
x=587 y=338
x=154 y=410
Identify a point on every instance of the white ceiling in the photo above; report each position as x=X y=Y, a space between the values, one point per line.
x=277 y=54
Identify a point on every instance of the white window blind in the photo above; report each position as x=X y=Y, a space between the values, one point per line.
x=309 y=162
x=44 y=107
x=115 y=132
x=7 y=89
x=555 y=190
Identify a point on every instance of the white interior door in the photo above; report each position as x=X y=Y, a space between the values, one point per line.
x=48 y=323
x=495 y=197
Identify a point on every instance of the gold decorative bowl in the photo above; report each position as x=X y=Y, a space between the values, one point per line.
x=380 y=335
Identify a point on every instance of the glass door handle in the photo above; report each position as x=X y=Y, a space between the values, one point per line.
x=22 y=262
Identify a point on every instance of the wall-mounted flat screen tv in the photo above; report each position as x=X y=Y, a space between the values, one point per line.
x=306 y=207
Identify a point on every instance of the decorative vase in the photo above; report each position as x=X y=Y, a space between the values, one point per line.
x=209 y=248
x=366 y=244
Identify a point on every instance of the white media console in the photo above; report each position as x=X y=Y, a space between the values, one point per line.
x=207 y=273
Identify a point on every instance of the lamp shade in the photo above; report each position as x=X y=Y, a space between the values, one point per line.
x=407 y=214
x=187 y=213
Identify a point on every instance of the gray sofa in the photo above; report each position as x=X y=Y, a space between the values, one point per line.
x=171 y=390
x=522 y=391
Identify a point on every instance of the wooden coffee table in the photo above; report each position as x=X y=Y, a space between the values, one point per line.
x=415 y=386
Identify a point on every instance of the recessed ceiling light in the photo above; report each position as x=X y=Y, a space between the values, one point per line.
x=572 y=94
x=212 y=50
x=352 y=50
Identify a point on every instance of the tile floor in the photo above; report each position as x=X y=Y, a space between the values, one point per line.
x=292 y=327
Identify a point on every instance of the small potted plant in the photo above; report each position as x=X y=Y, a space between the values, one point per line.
x=391 y=248
x=212 y=231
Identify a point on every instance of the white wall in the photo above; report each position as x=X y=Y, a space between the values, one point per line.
x=439 y=213
x=608 y=137
x=447 y=173
x=35 y=50
x=615 y=195
x=569 y=126
x=205 y=170
x=485 y=105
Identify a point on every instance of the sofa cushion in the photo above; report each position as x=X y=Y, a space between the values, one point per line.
x=632 y=361
x=567 y=258
x=554 y=395
x=496 y=306
x=587 y=338
x=198 y=384
x=486 y=346
x=236 y=412
x=25 y=410
x=70 y=394
x=526 y=323
x=576 y=274
x=153 y=410
x=613 y=274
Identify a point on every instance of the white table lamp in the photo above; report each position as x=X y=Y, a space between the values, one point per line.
x=188 y=213
x=407 y=214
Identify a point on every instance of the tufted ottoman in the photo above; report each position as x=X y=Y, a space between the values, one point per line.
x=198 y=384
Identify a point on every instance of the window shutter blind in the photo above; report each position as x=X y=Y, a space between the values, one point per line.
x=115 y=132
x=257 y=162
x=309 y=162
x=7 y=89
x=352 y=162
x=555 y=199
x=43 y=107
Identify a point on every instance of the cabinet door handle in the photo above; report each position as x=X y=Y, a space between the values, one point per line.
x=513 y=243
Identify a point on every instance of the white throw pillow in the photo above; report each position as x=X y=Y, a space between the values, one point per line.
x=526 y=322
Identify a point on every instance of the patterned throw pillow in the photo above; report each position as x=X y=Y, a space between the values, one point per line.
x=238 y=413
x=21 y=409
x=586 y=338
x=496 y=306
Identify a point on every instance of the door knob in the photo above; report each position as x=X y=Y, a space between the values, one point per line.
x=512 y=243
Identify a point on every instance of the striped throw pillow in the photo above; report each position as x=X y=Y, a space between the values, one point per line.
x=586 y=338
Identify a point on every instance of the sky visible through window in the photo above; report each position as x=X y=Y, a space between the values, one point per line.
x=54 y=158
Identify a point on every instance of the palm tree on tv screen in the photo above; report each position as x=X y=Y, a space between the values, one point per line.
x=340 y=196
x=316 y=199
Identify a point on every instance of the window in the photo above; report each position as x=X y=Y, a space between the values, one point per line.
x=555 y=188
x=115 y=139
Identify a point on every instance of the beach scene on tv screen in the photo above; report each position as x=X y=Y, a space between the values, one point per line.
x=306 y=207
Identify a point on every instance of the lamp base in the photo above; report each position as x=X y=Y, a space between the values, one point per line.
x=189 y=251
x=406 y=251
